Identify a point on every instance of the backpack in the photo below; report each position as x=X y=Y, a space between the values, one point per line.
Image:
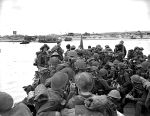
x=101 y=104
x=81 y=110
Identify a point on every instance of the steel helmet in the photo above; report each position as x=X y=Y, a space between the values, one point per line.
x=121 y=65
x=55 y=54
x=145 y=65
x=40 y=89
x=94 y=68
x=80 y=64
x=106 y=46
x=95 y=63
x=139 y=66
x=6 y=102
x=44 y=46
x=114 y=94
x=84 y=81
x=95 y=55
x=141 y=48
x=68 y=46
x=73 y=47
x=72 y=53
x=54 y=61
x=59 y=41
x=61 y=66
x=136 y=79
x=98 y=46
x=59 y=80
x=110 y=64
x=121 y=42
x=116 y=62
x=103 y=72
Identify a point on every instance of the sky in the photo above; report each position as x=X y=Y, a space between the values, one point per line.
x=35 y=17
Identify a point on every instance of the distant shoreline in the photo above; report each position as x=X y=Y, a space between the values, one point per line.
x=76 y=39
x=73 y=38
x=77 y=36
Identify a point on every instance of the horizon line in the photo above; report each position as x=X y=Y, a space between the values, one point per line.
x=76 y=33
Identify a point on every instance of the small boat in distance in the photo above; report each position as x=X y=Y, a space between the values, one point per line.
x=25 y=42
x=47 y=41
x=68 y=39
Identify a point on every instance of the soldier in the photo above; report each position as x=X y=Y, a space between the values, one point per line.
x=43 y=57
x=68 y=49
x=124 y=80
x=101 y=85
x=146 y=64
x=115 y=97
x=80 y=66
x=120 y=49
x=84 y=82
x=8 y=108
x=57 y=48
x=53 y=98
x=138 y=94
x=94 y=60
x=84 y=100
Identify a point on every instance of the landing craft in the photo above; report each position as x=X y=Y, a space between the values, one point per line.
x=68 y=39
x=25 y=42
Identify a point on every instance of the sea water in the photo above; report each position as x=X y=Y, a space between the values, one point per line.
x=16 y=61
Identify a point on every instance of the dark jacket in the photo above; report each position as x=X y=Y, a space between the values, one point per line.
x=123 y=79
x=101 y=87
x=120 y=48
x=125 y=83
x=49 y=101
x=42 y=59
